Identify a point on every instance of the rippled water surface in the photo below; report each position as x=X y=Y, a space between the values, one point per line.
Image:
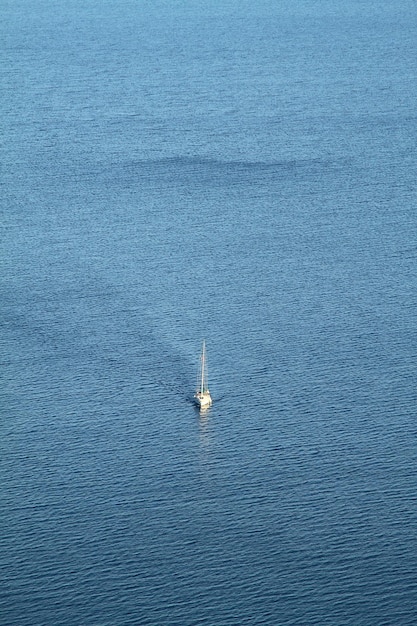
x=239 y=172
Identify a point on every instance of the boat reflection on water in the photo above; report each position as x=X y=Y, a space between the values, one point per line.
x=205 y=435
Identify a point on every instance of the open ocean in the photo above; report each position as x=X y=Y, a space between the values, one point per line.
x=242 y=172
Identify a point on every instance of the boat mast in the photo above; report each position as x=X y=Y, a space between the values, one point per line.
x=203 y=365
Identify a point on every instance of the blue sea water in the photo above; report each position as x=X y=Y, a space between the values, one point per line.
x=243 y=172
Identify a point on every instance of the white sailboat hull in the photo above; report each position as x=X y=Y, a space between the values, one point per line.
x=203 y=400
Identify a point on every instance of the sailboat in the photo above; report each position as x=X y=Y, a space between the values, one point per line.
x=202 y=395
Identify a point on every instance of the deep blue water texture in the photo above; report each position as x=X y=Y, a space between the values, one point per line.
x=243 y=172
